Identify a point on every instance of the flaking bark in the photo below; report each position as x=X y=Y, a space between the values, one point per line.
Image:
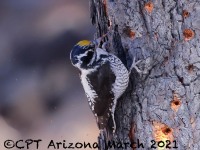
x=162 y=103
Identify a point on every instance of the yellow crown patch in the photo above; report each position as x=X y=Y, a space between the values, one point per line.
x=84 y=43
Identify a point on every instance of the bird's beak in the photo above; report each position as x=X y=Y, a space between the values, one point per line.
x=97 y=42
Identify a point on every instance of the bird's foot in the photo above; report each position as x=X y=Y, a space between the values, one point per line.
x=134 y=65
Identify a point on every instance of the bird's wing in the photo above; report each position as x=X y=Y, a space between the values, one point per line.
x=102 y=81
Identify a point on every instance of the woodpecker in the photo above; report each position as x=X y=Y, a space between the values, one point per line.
x=103 y=76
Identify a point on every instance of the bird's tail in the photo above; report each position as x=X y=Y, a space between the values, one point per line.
x=105 y=123
x=102 y=122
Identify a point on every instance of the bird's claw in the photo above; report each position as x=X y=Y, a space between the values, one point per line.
x=134 y=65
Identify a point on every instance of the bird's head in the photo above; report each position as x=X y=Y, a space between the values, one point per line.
x=82 y=54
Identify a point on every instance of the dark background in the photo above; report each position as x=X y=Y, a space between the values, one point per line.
x=41 y=93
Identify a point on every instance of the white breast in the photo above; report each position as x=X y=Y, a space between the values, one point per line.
x=90 y=93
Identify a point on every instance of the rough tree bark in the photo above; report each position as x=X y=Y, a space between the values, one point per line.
x=162 y=103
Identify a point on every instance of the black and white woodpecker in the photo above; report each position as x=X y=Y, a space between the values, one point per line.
x=103 y=76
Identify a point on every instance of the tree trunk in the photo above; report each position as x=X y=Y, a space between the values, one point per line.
x=161 y=106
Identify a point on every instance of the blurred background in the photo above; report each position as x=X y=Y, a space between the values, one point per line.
x=41 y=93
